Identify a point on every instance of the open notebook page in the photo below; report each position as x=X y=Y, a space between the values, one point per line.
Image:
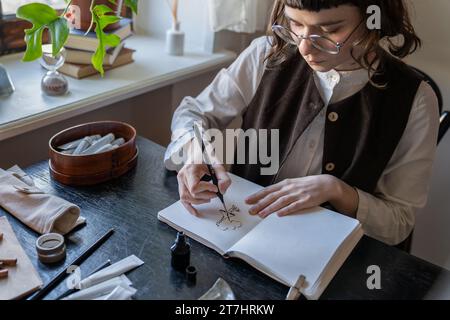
x=303 y=243
x=213 y=227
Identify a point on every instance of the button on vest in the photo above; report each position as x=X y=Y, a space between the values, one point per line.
x=333 y=116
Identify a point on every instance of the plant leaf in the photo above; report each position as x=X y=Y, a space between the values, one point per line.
x=59 y=33
x=102 y=17
x=33 y=38
x=37 y=13
x=133 y=5
x=42 y=16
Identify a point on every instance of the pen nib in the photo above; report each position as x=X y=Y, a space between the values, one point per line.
x=226 y=210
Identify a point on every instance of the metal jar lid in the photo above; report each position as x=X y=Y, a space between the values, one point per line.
x=51 y=248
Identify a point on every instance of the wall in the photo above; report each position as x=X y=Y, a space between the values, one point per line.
x=432 y=23
x=432 y=237
x=155 y=19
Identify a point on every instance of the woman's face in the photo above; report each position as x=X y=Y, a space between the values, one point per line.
x=336 y=24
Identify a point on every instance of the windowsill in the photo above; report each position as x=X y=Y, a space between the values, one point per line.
x=28 y=109
x=8 y=17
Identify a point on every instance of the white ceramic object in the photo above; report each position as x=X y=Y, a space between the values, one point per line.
x=175 y=41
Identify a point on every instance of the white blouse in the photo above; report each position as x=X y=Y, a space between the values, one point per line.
x=389 y=214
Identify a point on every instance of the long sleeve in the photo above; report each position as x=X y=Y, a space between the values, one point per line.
x=389 y=214
x=221 y=102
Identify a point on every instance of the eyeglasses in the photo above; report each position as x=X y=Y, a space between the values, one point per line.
x=320 y=42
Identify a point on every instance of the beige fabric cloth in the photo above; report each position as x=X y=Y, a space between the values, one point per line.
x=41 y=212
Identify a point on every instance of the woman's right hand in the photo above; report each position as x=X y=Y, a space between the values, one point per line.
x=193 y=190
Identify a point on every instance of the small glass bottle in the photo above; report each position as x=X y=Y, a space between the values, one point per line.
x=181 y=252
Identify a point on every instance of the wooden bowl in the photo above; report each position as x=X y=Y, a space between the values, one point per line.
x=82 y=170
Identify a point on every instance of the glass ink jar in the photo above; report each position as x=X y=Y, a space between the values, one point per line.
x=181 y=252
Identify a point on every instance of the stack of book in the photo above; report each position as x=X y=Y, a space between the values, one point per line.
x=80 y=47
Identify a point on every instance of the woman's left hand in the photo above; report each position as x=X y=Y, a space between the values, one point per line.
x=292 y=195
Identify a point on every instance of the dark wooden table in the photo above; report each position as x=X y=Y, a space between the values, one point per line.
x=130 y=204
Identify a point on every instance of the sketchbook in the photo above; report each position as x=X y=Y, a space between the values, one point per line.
x=314 y=242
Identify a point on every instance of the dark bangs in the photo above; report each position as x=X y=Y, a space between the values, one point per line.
x=317 y=5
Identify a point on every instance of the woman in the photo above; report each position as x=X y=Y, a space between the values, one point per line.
x=358 y=127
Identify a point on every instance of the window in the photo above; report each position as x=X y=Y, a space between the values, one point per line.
x=12 y=29
x=9 y=7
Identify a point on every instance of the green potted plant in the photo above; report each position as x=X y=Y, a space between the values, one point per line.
x=43 y=17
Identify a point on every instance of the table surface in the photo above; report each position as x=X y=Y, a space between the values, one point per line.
x=130 y=204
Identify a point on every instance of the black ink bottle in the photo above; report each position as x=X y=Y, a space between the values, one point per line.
x=181 y=252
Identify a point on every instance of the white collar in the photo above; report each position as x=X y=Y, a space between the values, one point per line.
x=336 y=85
x=334 y=77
